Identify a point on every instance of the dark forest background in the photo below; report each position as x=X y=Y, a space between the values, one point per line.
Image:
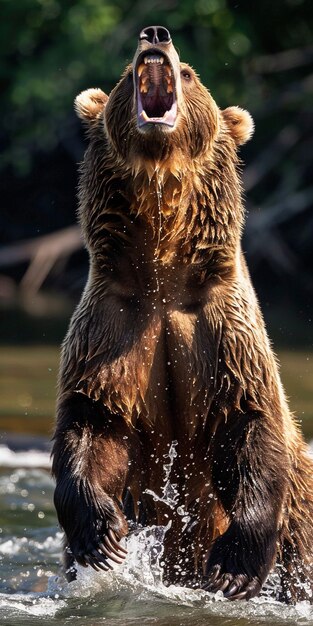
x=258 y=55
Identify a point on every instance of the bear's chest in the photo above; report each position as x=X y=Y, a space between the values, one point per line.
x=164 y=285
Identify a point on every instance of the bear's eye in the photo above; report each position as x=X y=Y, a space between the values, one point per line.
x=186 y=75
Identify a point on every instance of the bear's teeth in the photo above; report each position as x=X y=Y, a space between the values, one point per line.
x=144 y=116
x=141 y=69
x=154 y=59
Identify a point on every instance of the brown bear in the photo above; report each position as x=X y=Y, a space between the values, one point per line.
x=167 y=350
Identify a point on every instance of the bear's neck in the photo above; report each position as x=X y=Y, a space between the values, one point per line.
x=193 y=212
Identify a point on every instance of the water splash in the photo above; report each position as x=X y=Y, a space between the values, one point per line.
x=134 y=591
x=170 y=493
x=137 y=586
x=159 y=194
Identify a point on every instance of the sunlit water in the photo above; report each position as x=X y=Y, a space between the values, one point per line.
x=32 y=588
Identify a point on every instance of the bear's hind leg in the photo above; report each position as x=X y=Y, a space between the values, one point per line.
x=92 y=455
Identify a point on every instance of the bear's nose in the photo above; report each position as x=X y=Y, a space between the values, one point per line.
x=155 y=34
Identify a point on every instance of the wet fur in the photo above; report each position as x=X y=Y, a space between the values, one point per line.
x=168 y=343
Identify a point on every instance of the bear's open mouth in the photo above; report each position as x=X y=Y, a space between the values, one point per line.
x=155 y=86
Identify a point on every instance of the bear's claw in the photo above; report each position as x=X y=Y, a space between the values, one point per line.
x=111 y=539
x=116 y=555
x=99 y=554
x=234 y=587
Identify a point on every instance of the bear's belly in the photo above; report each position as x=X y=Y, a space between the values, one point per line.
x=165 y=378
x=192 y=367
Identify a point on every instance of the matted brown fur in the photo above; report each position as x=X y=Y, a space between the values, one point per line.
x=168 y=345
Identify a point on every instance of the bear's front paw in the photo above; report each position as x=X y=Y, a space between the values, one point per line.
x=234 y=586
x=239 y=562
x=93 y=525
x=98 y=540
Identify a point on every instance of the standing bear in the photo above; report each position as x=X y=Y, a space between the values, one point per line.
x=167 y=350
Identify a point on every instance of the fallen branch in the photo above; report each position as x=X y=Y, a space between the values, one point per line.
x=43 y=253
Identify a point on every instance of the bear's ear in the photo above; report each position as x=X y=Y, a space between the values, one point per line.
x=89 y=104
x=240 y=124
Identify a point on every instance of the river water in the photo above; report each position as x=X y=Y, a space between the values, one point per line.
x=32 y=589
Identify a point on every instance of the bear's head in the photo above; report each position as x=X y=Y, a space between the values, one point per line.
x=160 y=108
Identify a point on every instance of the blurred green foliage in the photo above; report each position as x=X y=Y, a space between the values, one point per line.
x=258 y=55
x=51 y=49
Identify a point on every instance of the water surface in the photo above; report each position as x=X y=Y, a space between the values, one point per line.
x=32 y=588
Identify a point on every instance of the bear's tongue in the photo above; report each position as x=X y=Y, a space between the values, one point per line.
x=155 y=91
x=156 y=102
